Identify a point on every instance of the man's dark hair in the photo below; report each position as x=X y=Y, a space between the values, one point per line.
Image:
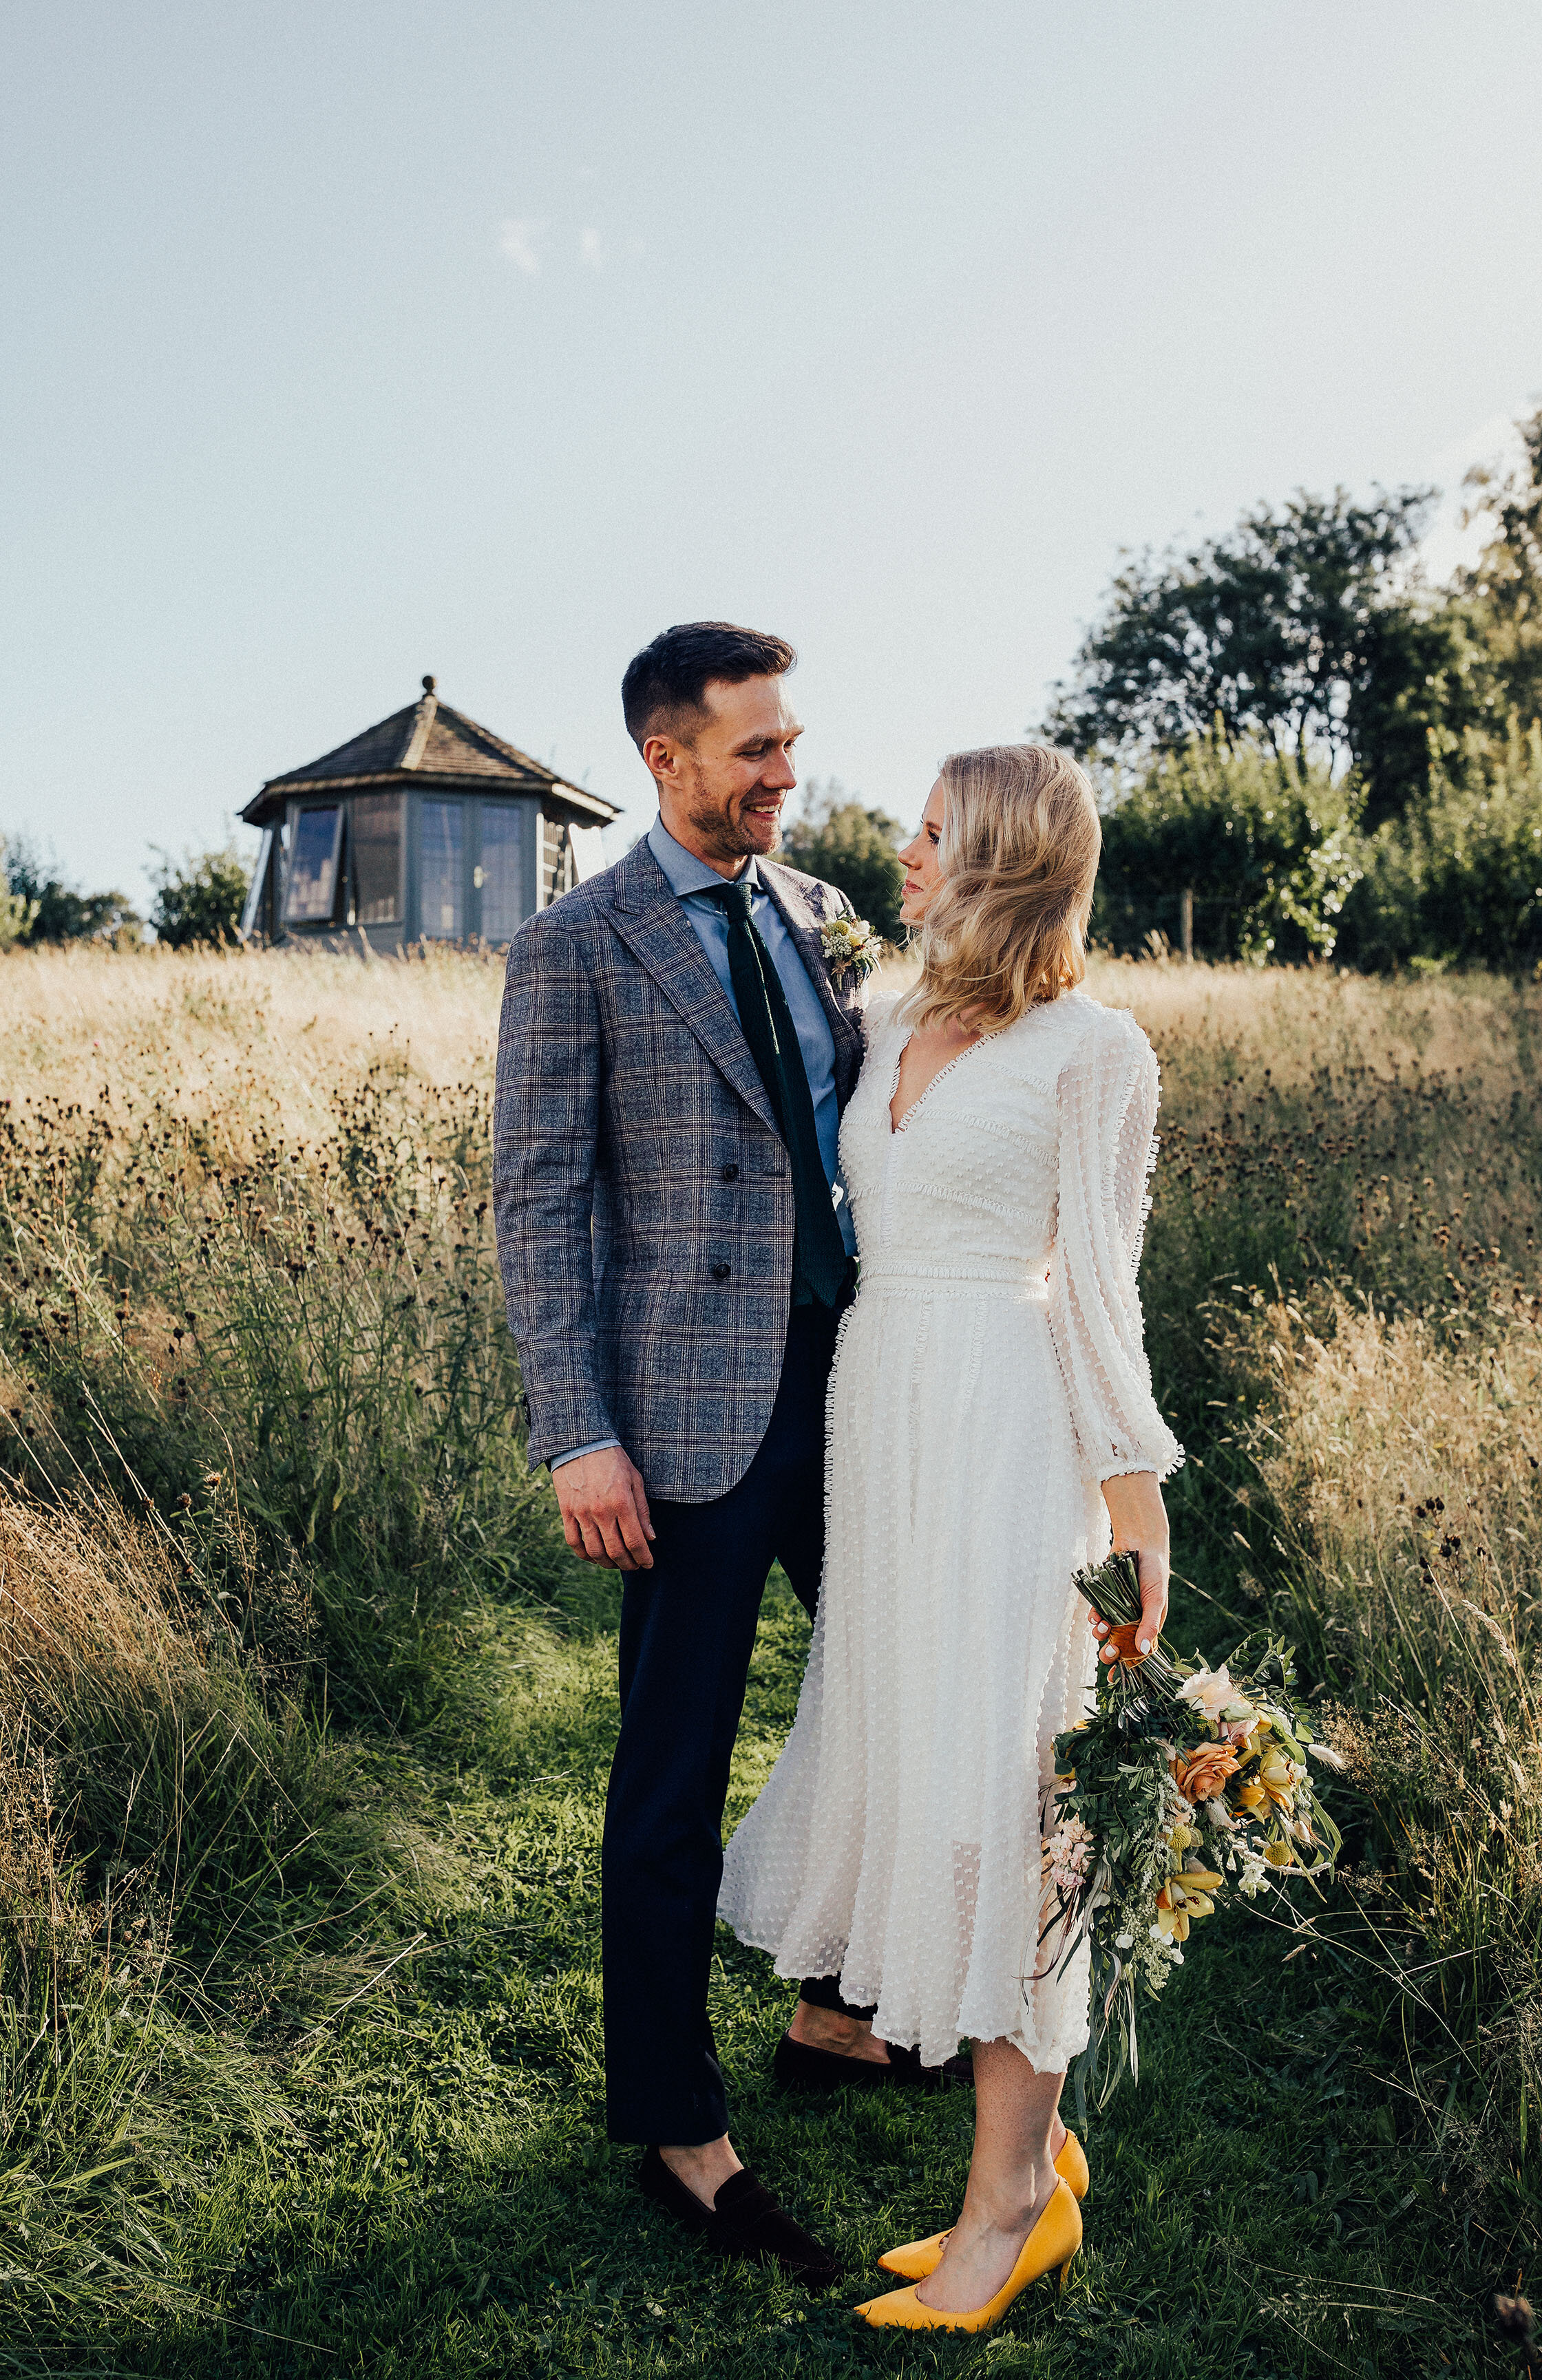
x=665 y=684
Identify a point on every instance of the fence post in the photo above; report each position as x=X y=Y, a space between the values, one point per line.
x=1185 y=919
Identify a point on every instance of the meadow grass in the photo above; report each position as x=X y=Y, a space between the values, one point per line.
x=305 y=1716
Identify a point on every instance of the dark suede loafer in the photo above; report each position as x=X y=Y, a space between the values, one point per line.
x=798 y=2067
x=744 y=2220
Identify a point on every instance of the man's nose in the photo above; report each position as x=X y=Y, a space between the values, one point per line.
x=780 y=776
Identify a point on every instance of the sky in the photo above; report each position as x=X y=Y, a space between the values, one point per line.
x=340 y=343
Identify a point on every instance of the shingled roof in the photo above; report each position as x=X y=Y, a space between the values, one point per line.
x=427 y=740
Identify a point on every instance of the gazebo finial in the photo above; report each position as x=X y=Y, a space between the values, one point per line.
x=428 y=685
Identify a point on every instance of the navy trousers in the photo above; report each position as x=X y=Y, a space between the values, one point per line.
x=687 y=1630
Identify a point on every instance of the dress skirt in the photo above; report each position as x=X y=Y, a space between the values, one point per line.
x=897 y=1842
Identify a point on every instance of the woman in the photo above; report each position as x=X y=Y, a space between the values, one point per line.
x=990 y=1417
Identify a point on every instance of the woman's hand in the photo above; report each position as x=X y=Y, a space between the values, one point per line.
x=1139 y=1519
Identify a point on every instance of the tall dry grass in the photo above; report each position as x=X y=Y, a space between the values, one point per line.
x=251 y=1319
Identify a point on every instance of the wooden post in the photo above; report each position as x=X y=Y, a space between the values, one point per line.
x=1186 y=920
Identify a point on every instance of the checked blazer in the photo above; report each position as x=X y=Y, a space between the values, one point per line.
x=642 y=1192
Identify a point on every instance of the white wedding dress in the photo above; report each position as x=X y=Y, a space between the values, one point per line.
x=990 y=1374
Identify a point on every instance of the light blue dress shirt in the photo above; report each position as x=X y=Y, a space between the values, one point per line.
x=691 y=879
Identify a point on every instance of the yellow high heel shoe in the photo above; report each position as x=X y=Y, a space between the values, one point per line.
x=1054 y=2240
x=923 y=2256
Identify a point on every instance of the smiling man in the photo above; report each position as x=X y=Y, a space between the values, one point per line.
x=674 y=1056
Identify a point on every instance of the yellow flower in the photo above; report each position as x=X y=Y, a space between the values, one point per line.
x=1279 y=1854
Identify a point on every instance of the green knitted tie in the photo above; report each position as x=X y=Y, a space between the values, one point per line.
x=818 y=1251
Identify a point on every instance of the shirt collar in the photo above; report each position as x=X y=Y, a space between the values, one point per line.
x=687 y=874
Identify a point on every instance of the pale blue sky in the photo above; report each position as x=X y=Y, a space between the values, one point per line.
x=344 y=342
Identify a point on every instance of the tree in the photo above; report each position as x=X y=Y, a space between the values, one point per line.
x=60 y=912
x=16 y=911
x=1266 y=843
x=1505 y=592
x=1459 y=881
x=201 y=900
x=853 y=848
x=1306 y=630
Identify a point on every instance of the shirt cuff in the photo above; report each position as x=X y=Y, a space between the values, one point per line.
x=595 y=1445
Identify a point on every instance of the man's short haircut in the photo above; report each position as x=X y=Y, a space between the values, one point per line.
x=666 y=686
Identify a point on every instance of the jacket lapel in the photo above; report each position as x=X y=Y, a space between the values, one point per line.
x=804 y=928
x=647 y=914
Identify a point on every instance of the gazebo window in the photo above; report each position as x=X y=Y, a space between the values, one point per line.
x=377 y=858
x=313 y=866
x=444 y=870
x=502 y=876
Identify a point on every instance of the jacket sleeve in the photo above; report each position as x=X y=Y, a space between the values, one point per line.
x=545 y=1131
x=1107 y=1100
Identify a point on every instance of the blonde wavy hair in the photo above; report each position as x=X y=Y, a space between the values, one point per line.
x=1006 y=927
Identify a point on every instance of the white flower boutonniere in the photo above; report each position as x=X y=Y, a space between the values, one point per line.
x=851 y=946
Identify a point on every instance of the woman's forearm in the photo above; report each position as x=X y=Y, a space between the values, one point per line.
x=1139 y=1518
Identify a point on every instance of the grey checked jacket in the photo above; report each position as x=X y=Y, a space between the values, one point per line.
x=642 y=1192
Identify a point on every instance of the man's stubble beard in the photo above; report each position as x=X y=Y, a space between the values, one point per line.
x=720 y=837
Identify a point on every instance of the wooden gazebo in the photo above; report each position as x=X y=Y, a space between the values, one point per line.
x=426 y=828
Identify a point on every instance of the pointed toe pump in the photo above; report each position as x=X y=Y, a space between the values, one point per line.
x=913 y=2262
x=1054 y=2241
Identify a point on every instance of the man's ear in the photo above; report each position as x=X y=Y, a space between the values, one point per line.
x=660 y=756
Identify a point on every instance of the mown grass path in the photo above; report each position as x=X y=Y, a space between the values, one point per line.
x=454 y=2207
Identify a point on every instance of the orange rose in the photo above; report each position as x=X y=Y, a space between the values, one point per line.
x=1202 y=1775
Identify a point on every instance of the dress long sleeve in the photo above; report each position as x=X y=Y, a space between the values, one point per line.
x=1105 y=1099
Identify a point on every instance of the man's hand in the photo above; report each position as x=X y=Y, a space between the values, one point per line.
x=604 y=1509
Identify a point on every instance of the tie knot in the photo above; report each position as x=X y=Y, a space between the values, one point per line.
x=734 y=898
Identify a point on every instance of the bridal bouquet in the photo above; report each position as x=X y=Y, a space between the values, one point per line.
x=1186 y=1783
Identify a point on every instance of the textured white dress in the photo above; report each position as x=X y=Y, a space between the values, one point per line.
x=990 y=1374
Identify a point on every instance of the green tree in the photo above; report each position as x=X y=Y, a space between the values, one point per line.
x=1505 y=592
x=1266 y=844
x=1460 y=879
x=60 y=912
x=847 y=846
x=1303 y=629
x=16 y=910
x=201 y=899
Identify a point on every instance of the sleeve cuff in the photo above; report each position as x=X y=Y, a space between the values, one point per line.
x=595 y=1445
x=1163 y=1466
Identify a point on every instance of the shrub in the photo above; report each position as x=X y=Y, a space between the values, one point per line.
x=853 y=848
x=58 y=912
x=1460 y=879
x=1266 y=844
x=201 y=900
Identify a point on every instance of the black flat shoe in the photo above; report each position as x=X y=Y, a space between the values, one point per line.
x=799 y=2067
x=744 y=2220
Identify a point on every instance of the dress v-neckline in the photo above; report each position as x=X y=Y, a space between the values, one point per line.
x=896 y=1130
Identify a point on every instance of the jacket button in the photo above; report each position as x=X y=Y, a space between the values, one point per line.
x=722 y=1271
x=729 y=1172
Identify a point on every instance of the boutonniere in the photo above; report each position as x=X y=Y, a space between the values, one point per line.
x=850 y=946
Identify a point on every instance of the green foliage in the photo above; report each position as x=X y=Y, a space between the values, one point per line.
x=1266 y=842
x=1297 y=631
x=853 y=848
x=1505 y=592
x=16 y=911
x=201 y=899
x=59 y=912
x=1459 y=880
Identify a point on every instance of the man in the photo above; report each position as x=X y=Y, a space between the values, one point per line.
x=673 y=1060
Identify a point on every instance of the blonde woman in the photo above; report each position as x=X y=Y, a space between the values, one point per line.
x=992 y=1424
